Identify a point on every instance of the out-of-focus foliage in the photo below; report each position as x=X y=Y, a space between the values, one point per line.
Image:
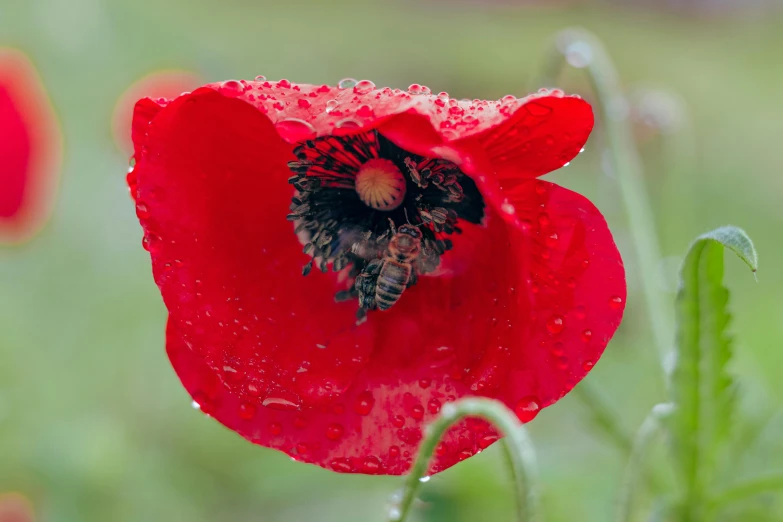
x=94 y=425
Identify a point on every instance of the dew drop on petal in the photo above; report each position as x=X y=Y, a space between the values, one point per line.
x=364 y=403
x=342 y=465
x=334 y=431
x=398 y=421
x=294 y=130
x=527 y=408
x=586 y=336
x=347 y=83
x=485 y=441
x=275 y=428
x=371 y=465
x=303 y=103
x=615 y=302
x=331 y=105
x=279 y=403
x=142 y=212
x=195 y=405
x=247 y=411
x=231 y=88
x=555 y=324
x=588 y=365
x=508 y=208
x=363 y=87
x=347 y=123
x=425 y=479
x=417 y=412
x=260 y=78
x=285 y=84
x=433 y=406
x=365 y=111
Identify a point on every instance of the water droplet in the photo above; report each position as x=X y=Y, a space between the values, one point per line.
x=616 y=302
x=142 y=212
x=285 y=84
x=195 y=405
x=579 y=54
x=508 y=208
x=343 y=465
x=247 y=411
x=303 y=103
x=425 y=479
x=231 y=88
x=253 y=389
x=417 y=412
x=347 y=123
x=364 y=403
x=394 y=513
x=365 y=111
x=433 y=406
x=425 y=383
x=260 y=78
x=415 y=88
x=398 y=421
x=279 y=403
x=555 y=324
x=586 y=335
x=527 y=408
x=363 y=87
x=588 y=365
x=551 y=240
x=334 y=431
x=394 y=452
x=485 y=441
x=371 y=465
x=347 y=83
x=294 y=130
x=275 y=428
x=543 y=219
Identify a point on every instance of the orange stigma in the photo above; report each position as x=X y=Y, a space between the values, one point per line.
x=380 y=184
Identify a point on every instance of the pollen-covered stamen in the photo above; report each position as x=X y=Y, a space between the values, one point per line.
x=380 y=184
x=355 y=193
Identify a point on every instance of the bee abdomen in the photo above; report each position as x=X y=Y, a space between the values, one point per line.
x=392 y=281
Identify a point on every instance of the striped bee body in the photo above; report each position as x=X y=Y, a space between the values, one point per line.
x=382 y=282
x=392 y=281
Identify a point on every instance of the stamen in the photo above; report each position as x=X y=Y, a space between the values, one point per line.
x=380 y=184
x=355 y=194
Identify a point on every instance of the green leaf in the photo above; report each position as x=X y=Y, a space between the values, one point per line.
x=703 y=390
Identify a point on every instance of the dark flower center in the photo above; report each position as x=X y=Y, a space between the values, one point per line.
x=363 y=203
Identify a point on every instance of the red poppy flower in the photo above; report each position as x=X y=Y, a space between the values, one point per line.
x=339 y=262
x=159 y=84
x=30 y=149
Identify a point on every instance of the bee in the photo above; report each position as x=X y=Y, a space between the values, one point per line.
x=383 y=280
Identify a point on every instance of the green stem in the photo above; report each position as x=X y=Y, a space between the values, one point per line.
x=602 y=417
x=647 y=433
x=749 y=488
x=518 y=449
x=583 y=50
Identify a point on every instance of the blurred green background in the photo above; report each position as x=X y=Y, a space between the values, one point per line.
x=94 y=425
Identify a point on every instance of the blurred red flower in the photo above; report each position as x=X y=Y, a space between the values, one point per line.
x=495 y=283
x=15 y=507
x=30 y=149
x=159 y=84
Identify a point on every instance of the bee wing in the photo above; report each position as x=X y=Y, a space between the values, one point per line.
x=427 y=261
x=369 y=249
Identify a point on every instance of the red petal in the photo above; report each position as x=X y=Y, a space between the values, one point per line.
x=160 y=85
x=542 y=135
x=521 y=311
x=30 y=149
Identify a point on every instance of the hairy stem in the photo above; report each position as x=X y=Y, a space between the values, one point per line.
x=517 y=448
x=581 y=49
x=635 y=467
x=745 y=489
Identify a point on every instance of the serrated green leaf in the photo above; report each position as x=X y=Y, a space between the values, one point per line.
x=702 y=388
